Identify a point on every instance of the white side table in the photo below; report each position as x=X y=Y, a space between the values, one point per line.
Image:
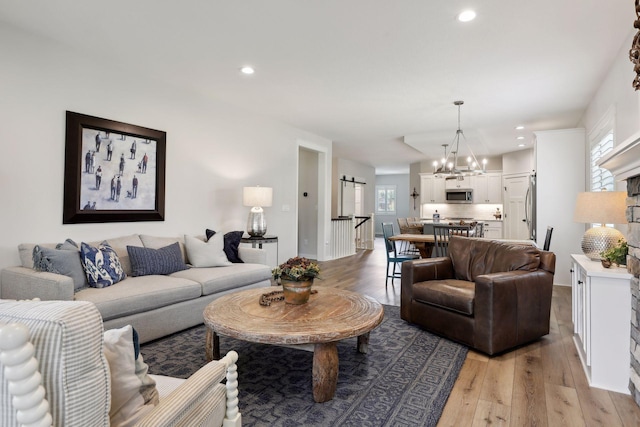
x=601 y=314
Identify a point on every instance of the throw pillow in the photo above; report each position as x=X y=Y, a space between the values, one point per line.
x=101 y=265
x=231 y=243
x=156 y=242
x=206 y=254
x=65 y=259
x=119 y=245
x=133 y=392
x=68 y=245
x=147 y=261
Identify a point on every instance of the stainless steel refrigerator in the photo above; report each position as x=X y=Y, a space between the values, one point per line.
x=530 y=208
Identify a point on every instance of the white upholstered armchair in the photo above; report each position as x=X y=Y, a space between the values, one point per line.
x=54 y=371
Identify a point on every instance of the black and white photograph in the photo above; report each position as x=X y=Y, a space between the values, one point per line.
x=114 y=171
x=118 y=171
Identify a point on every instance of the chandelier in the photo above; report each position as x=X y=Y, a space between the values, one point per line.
x=449 y=166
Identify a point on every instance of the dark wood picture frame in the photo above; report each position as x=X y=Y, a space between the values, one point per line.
x=146 y=207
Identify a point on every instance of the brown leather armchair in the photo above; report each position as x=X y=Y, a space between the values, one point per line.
x=489 y=295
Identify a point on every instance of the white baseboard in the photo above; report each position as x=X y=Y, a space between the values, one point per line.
x=310 y=256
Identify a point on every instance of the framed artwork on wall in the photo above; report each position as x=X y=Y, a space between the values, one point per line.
x=114 y=171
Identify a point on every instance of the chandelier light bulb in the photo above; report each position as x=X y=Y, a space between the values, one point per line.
x=474 y=164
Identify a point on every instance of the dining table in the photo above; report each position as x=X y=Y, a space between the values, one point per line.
x=423 y=242
x=426 y=242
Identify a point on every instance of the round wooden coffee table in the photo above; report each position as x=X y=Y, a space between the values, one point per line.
x=330 y=316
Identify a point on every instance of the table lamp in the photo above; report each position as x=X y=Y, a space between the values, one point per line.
x=257 y=198
x=600 y=207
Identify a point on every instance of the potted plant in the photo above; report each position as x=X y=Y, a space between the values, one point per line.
x=296 y=276
x=615 y=255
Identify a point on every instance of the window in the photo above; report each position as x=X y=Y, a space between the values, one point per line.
x=601 y=178
x=386 y=199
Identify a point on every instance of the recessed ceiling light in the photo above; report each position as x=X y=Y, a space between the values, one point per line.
x=520 y=145
x=520 y=137
x=466 y=16
x=247 y=70
x=519 y=127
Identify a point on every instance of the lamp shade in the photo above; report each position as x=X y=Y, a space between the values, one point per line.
x=601 y=207
x=257 y=196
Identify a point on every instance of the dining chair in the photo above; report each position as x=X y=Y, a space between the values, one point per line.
x=407 y=248
x=443 y=232
x=547 y=239
x=403 y=224
x=392 y=255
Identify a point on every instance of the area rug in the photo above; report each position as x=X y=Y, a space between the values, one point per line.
x=403 y=380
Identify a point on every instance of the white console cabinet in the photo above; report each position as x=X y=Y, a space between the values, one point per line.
x=601 y=314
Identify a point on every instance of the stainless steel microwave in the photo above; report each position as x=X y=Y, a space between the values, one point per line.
x=459 y=195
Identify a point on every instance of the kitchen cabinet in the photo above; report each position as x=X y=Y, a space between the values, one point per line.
x=601 y=314
x=431 y=189
x=460 y=181
x=487 y=188
x=492 y=229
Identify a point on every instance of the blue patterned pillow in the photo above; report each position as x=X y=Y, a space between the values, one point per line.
x=101 y=265
x=146 y=261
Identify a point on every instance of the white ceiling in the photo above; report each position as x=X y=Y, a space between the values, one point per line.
x=363 y=73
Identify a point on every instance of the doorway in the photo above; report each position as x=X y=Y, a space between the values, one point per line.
x=307 y=203
x=314 y=210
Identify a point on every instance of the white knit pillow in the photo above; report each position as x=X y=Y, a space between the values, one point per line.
x=206 y=254
x=133 y=392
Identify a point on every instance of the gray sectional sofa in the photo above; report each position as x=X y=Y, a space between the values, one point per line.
x=155 y=305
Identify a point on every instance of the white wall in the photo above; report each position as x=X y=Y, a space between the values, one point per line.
x=350 y=168
x=615 y=97
x=213 y=149
x=517 y=162
x=616 y=93
x=401 y=181
x=414 y=182
x=558 y=185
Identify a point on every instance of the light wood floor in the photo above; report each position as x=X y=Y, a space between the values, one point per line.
x=542 y=384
